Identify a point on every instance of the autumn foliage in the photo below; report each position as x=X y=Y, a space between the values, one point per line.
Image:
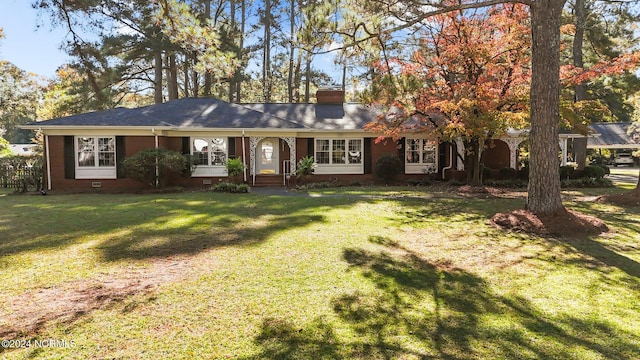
x=469 y=80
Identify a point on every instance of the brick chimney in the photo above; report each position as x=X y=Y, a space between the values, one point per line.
x=330 y=96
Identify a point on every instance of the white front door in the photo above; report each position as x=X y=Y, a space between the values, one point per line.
x=268 y=156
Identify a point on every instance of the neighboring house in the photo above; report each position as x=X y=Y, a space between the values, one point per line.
x=84 y=151
x=23 y=149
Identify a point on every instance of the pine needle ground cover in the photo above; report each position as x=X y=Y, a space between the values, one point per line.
x=351 y=274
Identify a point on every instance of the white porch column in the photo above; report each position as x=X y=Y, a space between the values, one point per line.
x=513 y=144
x=253 y=144
x=459 y=156
x=563 y=147
x=291 y=142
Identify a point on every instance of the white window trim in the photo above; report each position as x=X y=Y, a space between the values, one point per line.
x=339 y=169
x=209 y=170
x=421 y=167
x=96 y=171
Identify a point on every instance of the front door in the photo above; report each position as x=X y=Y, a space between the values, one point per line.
x=268 y=156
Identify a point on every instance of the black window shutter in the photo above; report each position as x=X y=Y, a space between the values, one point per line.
x=231 y=145
x=186 y=145
x=401 y=153
x=69 y=158
x=120 y=155
x=311 y=147
x=367 y=156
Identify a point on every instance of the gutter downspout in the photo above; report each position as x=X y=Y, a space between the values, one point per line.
x=244 y=159
x=450 y=161
x=153 y=131
x=48 y=160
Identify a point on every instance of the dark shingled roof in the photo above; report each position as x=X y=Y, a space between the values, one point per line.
x=611 y=135
x=215 y=113
x=322 y=116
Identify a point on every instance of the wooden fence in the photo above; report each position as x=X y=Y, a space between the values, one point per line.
x=21 y=178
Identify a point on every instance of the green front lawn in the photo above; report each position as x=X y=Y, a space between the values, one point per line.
x=354 y=274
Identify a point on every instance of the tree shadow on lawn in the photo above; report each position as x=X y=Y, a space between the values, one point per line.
x=596 y=249
x=139 y=227
x=600 y=254
x=426 y=310
x=451 y=210
x=144 y=228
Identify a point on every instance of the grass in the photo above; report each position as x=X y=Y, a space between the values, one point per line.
x=356 y=274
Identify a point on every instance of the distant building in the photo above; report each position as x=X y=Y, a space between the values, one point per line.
x=23 y=149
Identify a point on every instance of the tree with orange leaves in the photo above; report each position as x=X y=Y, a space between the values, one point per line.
x=469 y=81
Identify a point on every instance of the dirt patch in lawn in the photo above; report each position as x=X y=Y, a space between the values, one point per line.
x=630 y=198
x=488 y=191
x=27 y=313
x=565 y=223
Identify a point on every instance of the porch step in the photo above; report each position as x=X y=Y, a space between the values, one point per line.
x=269 y=180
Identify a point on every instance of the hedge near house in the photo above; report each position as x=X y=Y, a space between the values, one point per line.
x=152 y=167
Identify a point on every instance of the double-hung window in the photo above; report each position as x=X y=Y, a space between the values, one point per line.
x=95 y=157
x=420 y=156
x=210 y=156
x=339 y=156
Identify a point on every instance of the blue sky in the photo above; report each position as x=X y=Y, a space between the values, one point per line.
x=29 y=48
x=33 y=45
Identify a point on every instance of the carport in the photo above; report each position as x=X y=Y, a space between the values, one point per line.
x=612 y=136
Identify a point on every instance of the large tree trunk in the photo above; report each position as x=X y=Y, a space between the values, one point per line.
x=579 y=144
x=172 y=77
x=238 y=73
x=207 y=75
x=473 y=150
x=157 y=81
x=232 y=80
x=307 y=83
x=266 y=64
x=297 y=79
x=544 y=183
x=185 y=69
x=195 y=76
x=292 y=49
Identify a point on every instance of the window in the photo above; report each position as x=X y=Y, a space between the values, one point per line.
x=420 y=156
x=210 y=155
x=95 y=157
x=322 y=151
x=96 y=152
x=338 y=151
x=209 y=152
x=355 y=151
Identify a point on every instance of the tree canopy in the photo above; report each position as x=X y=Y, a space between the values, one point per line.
x=468 y=80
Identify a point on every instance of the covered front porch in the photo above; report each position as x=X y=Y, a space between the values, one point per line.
x=271 y=157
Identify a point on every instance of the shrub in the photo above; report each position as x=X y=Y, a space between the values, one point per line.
x=388 y=167
x=486 y=173
x=322 y=185
x=586 y=182
x=231 y=187
x=508 y=183
x=305 y=167
x=508 y=173
x=594 y=172
x=234 y=167
x=606 y=169
x=142 y=166
x=523 y=173
x=422 y=182
x=566 y=172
